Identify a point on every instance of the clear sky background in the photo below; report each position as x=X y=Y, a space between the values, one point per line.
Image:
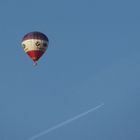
x=93 y=57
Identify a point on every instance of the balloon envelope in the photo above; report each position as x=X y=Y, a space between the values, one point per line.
x=35 y=44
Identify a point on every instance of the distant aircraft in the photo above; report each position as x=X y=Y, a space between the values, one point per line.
x=35 y=44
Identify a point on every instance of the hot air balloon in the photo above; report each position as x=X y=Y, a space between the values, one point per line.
x=35 y=44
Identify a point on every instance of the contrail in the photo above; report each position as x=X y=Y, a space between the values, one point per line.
x=65 y=122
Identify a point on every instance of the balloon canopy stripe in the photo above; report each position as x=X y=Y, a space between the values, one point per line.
x=35 y=35
x=35 y=55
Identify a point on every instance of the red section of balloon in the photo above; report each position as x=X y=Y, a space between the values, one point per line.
x=35 y=55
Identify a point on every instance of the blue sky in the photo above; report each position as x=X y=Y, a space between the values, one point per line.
x=93 y=57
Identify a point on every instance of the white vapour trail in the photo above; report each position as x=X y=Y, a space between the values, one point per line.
x=65 y=122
